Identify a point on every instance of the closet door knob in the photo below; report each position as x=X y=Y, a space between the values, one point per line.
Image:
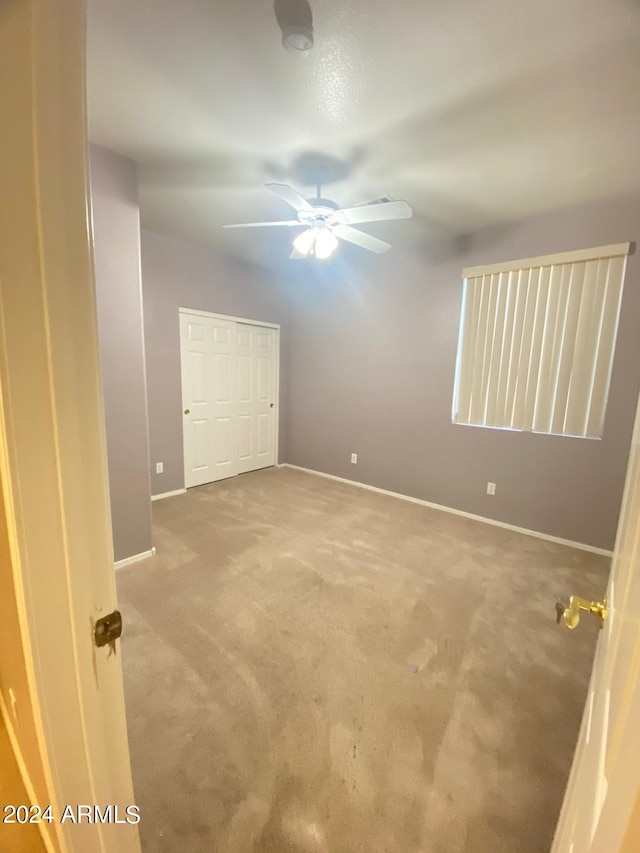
x=186 y=411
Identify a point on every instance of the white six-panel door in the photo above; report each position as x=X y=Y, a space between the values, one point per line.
x=256 y=396
x=229 y=405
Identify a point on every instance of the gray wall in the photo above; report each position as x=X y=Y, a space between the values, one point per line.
x=116 y=225
x=180 y=274
x=371 y=366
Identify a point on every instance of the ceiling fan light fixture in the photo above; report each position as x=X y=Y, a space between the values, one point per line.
x=327 y=224
x=304 y=242
x=326 y=244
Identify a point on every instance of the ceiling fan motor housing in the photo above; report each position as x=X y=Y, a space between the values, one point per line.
x=320 y=213
x=320 y=203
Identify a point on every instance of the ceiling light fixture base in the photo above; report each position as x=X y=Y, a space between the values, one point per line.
x=298 y=38
x=324 y=205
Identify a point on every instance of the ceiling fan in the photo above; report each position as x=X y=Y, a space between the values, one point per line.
x=326 y=223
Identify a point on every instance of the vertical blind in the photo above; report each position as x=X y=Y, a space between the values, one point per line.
x=537 y=339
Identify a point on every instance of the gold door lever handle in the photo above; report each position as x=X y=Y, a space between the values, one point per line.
x=568 y=609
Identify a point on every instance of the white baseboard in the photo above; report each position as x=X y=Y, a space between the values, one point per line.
x=592 y=549
x=45 y=828
x=135 y=558
x=168 y=494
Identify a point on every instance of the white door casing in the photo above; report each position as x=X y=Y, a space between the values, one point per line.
x=256 y=397
x=229 y=395
x=605 y=777
x=209 y=383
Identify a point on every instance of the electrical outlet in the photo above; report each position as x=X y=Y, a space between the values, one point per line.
x=354 y=458
x=159 y=467
x=491 y=488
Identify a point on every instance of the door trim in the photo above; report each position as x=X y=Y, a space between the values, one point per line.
x=228 y=317
x=263 y=324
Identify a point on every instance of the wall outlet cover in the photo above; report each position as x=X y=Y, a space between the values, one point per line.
x=491 y=488
x=159 y=467
x=354 y=458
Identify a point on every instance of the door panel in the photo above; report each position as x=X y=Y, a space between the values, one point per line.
x=199 y=438
x=264 y=379
x=244 y=437
x=244 y=378
x=197 y=329
x=223 y=443
x=257 y=397
x=222 y=384
x=208 y=398
x=198 y=377
x=264 y=435
x=222 y=335
x=264 y=339
x=605 y=777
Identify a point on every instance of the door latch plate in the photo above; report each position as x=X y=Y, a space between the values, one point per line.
x=108 y=629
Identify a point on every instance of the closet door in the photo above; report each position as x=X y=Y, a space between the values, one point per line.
x=256 y=354
x=209 y=398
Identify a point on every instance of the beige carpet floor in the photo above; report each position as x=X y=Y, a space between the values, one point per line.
x=313 y=667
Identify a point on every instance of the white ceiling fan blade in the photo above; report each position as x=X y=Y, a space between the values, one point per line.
x=373 y=212
x=367 y=241
x=288 y=222
x=291 y=196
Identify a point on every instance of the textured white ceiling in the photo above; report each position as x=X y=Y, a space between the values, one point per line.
x=475 y=112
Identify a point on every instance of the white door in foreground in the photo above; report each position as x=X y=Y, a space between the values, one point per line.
x=605 y=777
x=68 y=723
x=257 y=410
x=208 y=358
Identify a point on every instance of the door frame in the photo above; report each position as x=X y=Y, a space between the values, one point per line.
x=265 y=325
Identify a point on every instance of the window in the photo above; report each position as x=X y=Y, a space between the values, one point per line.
x=536 y=343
